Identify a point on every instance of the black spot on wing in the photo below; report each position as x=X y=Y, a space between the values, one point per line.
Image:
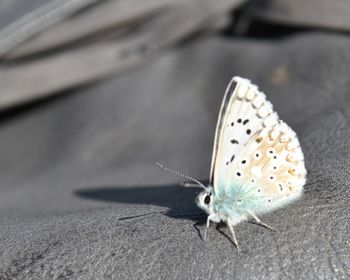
x=245 y=122
x=231 y=160
x=234 y=141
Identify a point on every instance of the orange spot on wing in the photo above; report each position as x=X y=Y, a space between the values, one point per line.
x=291 y=172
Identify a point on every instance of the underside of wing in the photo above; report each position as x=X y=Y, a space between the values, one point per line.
x=255 y=150
x=244 y=113
x=226 y=102
x=271 y=169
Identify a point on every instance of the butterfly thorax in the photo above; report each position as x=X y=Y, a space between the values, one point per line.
x=226 y=206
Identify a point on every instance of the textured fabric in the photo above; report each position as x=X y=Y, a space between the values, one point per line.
x=10 y=10
x=304 y=13
x=80 y=197
x=73 y=52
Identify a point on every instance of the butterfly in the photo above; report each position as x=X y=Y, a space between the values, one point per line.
x=257 y=163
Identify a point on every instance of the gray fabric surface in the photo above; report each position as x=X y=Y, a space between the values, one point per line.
x=304 y=13
x=103 y=39
x=10 y=10
x=80 y=197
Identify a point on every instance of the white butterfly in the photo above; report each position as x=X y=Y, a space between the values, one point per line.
x=257 y=164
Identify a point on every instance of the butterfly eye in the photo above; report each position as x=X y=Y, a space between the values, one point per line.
x=207 y=199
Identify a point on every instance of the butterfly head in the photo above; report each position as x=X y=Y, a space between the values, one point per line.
x=205 y=199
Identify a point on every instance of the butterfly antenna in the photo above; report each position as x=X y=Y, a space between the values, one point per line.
x=181 y=175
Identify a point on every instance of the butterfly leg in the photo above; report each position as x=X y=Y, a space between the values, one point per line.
x=207 y=225
x=259 y=222
x=230 y=227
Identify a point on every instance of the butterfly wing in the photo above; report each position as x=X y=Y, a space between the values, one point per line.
x=216 y=162
x=255 y=152
x=241 y=115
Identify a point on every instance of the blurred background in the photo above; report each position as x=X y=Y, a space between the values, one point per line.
x=93 y=92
